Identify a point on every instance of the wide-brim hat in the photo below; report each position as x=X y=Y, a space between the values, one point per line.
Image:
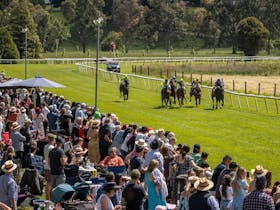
x=259 y=170
x=78 y=150
x=9 y=166
x=203 y=184
x=141 y=143
x=95 y=123
x=22 y=109
x=13 y=109
x=15 y=126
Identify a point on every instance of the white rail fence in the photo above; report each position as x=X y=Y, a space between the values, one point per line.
x=143 y=59
x=234 y=99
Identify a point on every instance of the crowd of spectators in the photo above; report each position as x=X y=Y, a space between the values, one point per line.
x=55 y=137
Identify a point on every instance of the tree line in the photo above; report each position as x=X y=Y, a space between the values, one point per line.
x=247 y=25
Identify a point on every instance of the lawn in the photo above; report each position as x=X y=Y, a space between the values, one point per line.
x=250 y=137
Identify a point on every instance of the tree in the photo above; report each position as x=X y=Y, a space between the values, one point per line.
x=115 y=37
x=251 y=36
x=20 y=18
x=83 y=23
x=126 y=16
x=68 y=9
x=8 y=49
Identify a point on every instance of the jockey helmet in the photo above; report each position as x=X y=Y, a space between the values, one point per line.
x=174 y=77
x=218 y=80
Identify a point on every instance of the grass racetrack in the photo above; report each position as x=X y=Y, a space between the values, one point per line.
x=250 y=137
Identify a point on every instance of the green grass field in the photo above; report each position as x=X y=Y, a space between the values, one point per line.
x=250 y=137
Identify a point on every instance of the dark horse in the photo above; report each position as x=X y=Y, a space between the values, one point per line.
x=124 y=89
x=196 y=92
x=173 y=91
x=181 y=93
x=165 y=96
x=218 y=93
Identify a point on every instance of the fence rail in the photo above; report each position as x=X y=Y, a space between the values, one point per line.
x=143 y=59
x=239 y=100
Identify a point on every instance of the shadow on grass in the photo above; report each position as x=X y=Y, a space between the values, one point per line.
x=209 y=109
x=189 y=106
x=119 y=101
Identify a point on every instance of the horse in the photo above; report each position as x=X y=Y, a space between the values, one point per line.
x=218 y=93
x=181 y=93
x=173 y=91
x=196 y=92
x=124 y=90
x=165 y=96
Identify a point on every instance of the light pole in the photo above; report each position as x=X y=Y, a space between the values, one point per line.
x=25 y=30
x=97 y=22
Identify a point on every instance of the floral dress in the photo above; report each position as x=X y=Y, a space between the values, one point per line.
x=93 y=145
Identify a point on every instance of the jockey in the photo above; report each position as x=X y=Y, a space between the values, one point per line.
x=125 y=79
x=165 y=83
x=195 y=83
x=181 y=83
x=219 y=83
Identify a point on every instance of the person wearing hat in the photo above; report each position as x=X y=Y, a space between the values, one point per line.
x=8 y=186
x=93 y=141
x=134 y=193
x=259 y=171
x=11 y=117
x=57 y=160
x=104 y=202
x=154 y=153
x=258 y=199
x=17 y=140
x=203 y=199
x=22 y=116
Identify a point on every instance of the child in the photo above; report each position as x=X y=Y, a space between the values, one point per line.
x=159 y=181
x=225 y=192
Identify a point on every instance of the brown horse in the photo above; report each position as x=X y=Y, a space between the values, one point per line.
x=218 y=94
x=165 y=96
x=124 y=90
x=173 y=91
x=181 y=93
x=196 y=92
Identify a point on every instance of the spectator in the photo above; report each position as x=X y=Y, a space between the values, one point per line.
x=196 y=153
x=104 y=202
x=93 y=141
x=52 y=118
x=35 y=161
x=113 y=159
x=137 y=162
x=226 y=192
x=134 y=193
x=17 y=140
x=105 y=139
x=57 y=160
x=154 y=154
x=8 y=186
x=11 y=117
x=202 y=199
x=38 y=122
x=259 y=199
x=48 y=147
x=22 y=116
x=26 y=132
x=45 y=112
x=240 y=187
x=64 y=121
x=203 y=158
x=225 y=164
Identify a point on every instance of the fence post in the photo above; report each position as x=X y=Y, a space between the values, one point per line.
x=182 y=75
x=276 y=104
x=191 y=77
x=275 y=89
x=175 y=73
x=259 y=88
x=141 y=69
x=233 y=85
x=245 y=87
x=167 y=74
x=201 y=79
x=160 y=73
x=211 y=81
x=132 y=68
x=148 y=71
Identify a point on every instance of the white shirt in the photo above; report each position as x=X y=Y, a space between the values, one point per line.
x=47 y=149
x=229 y=193
x=110 y=205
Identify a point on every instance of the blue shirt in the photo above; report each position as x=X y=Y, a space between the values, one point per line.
x=8 y=189
x=154 y=154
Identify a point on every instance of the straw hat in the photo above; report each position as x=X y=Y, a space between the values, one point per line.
x=203 y=184
x=78 y=150
x=13 y=109
x=141 y=143
x=9 y=166
x=95 y=123
x=15 y=126
x=259 y=170
x=22 y=109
